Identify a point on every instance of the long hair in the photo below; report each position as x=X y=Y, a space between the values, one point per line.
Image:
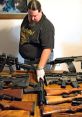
x=34 y=5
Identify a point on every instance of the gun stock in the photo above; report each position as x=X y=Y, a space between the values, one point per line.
x=60 y=99
x=20 y=105
x=77 y=114
x=49 y=109
x=62 y=91
x=11 y=94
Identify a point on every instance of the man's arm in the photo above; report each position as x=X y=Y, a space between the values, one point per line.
x=44 y=57
x=43 y=60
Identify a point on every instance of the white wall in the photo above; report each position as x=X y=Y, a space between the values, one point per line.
x=9 y=37
x=67 y=18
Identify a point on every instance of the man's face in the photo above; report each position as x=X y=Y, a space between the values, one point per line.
x=34 y=15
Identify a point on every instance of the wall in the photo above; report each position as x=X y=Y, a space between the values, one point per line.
x=67 y=18
x=9 y=37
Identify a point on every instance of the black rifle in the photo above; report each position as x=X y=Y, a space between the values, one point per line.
x=68 y=61
x=16 y=81
x=13 y=82
x=28 y=67
x=2 y=61
x=9 y=61
x=38 y=89
x=64 y=78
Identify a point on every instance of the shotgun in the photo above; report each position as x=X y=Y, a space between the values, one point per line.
x=11 y=94
x=60 y=99
x=20 y=105
x=54 y=91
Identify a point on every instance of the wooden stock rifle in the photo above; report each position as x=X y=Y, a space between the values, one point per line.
x=77 y=114
x=60 y=99
x=66 y=108
x=20 y=105
x=54 y=91
x=11 y=94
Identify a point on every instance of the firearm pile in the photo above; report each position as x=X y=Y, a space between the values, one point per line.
x=12 y=85
x=50 y=99
x=63 y=100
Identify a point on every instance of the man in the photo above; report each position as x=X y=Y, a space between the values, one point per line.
x=36 y=37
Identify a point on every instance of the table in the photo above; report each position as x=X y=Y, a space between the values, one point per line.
x=33 y=97
x=26 y=97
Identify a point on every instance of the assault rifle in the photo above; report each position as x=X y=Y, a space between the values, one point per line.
x=16 y=82
x=28 y=67
x=13 y=82
x=20 y=105
x=11 y=94
x=60 y=99
x=64 y=78
x=8 y=60
x=68 y=60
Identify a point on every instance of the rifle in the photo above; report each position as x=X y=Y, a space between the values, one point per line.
x=11 y=94
x=66 y=108
x=2 y=61
x=60 y=99
x=41 y=94
x=38 y=89
x=64 y=78
x=63 y=91
x=8 y=60
x=20 y=105
x=28 y=67
x=13 y=82
x=68 y=61
x=76 y=114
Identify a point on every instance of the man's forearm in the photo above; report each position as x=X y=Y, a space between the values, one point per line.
x=44 y=57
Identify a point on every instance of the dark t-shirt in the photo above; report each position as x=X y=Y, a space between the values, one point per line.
x=35 y=37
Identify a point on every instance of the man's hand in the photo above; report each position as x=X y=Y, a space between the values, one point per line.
x=40 y=74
